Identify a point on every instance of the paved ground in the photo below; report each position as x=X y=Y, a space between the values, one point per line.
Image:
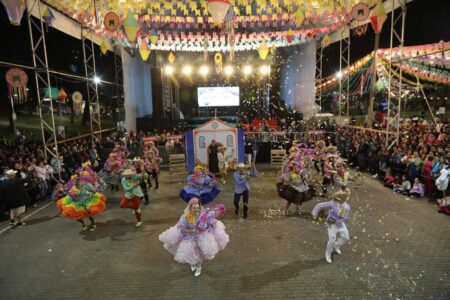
x=400 y=249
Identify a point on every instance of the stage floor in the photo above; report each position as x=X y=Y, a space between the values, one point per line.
x=399 y=249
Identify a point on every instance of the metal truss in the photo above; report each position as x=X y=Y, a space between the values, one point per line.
x=91 y=84
x=167 y=94
x=344 y=74
x=318 y=78
x=42 y=79
x=118 y=106
x=395 y=99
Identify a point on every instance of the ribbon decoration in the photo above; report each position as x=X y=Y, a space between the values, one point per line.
x=17 y=81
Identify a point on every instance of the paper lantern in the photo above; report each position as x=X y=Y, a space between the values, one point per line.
x=299 y=17
x=103 y=47
x=289 y=36
x=131 y=26
x=48 y=16
x=218 y=9
x=111 y=21
x=171 y=57
x=17 y=81
x=77 y=97
x=62 y=95
x=378 y=16
x=14 y=9
x=144 y=50
x=263 y=50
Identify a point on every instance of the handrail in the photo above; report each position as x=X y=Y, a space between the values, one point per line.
x=81 y=136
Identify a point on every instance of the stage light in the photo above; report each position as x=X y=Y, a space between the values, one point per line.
x=168 y=70
x=247 y=70
x=187 y=70
x=228 y=70
x=264 y=70
x=339 y=74
x=97 y=80
x=204 y=70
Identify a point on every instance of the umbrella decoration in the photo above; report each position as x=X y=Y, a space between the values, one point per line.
x=378 y=16
x=218 y=9
x=17 y=84
x=144 y=50
x=131 y=26
x=14 y=9
x=48 y=16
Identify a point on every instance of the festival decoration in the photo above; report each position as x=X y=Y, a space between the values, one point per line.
x=299 y=17
x=360 y=12
x=14 y=9
x=378 y=16
x=77 y=97
x=154 y=38
x=131 y=26
x=62 y=96
x=263 y=51
x=325 y=41
x=289 y=35
x=218 y=62
x=360 y=30
x=218 y=9
x=111 y=22
x=48 y=16
x=171 y=57
x=103 y=47
x=17 y=81
x=144 y=50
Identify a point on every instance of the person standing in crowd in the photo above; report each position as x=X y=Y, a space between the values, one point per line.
x=442 y=181
x=138 y=166
x=223 y=164
x=339 y=211
x=241 y=189
x=133 y=194
x=14 y=197
x=248 y=149
x=213 y=162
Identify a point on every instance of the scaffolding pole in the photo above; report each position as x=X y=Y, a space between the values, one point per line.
x=91 y=83
x=119 y=85
x=394 y=107
x=344 y=74
x=318 y=79
x=42 y=80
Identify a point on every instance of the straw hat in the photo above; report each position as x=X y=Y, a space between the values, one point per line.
x=128 y=172
x=10 y=172
x=137 y=158
x=241 y=166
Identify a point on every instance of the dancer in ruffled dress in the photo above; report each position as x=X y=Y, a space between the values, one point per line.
x=132 y=194
x=82 y=201
x=201 y=185
x=114 y=165
x=152 y=162
x=198 y=235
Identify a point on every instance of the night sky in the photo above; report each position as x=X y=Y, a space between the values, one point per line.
x=427 y=22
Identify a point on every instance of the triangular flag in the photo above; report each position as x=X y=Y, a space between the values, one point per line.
x=104 y=47
x=62 y=95
x=299 y=17
x=131 y=26
x=154 y=38
x=378 y=16
x=263 y=50
x=171 y=57
x=144 y=50
x=289 y=35
x=326 y=40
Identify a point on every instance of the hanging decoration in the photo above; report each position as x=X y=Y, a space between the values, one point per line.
x=378 y=16
x=144 y=50
x=171 y=57
x=263 y=51
x=131 y=26
x=360 y=12
x=77 y=100
x=218 y=9
x=299 y=17
x=103 y=48
x=62 y=96
x=154 y=37
x=326 y=40
x=218 y=62
x=14 y=9
x=111 y=21
x=205 y=49
x=48 y=16
x=289 y=36
x=360 y=30
x=17 y=81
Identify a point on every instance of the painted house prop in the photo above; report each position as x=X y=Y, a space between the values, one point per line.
x=199 y=140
